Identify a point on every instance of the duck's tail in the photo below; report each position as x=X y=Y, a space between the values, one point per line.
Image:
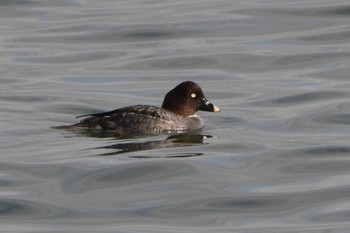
x=88 y=123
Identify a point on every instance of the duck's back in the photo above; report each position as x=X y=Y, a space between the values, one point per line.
x=142 y=118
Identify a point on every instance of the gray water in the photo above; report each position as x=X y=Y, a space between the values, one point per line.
x=275 y=159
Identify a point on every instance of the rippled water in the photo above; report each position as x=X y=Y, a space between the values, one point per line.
x=275 y=159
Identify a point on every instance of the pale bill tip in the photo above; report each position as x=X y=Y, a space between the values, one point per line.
x=216 y=109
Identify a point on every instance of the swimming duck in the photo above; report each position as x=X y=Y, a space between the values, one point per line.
x=176 y=114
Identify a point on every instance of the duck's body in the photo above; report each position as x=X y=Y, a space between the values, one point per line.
x=176 y=114
x=142 y=118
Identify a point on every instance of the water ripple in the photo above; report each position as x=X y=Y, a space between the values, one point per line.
x=305 y=97
x=343 y=119
x=24 y=210
x=130 y=174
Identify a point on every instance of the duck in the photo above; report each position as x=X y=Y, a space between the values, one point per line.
x=176 y=114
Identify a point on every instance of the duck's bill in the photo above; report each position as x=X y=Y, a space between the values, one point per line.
x=209 y=107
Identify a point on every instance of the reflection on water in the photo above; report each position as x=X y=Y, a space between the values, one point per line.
x=177 y=140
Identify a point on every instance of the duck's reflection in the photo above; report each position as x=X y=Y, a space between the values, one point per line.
x=177 y=140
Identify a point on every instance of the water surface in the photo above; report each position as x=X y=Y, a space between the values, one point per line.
x=275 y=159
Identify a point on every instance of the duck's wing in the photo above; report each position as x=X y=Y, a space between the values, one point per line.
x=138 y=109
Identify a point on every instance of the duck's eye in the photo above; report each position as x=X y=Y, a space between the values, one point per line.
x=193 y=95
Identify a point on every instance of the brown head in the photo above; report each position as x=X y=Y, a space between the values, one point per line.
x=186 y=99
